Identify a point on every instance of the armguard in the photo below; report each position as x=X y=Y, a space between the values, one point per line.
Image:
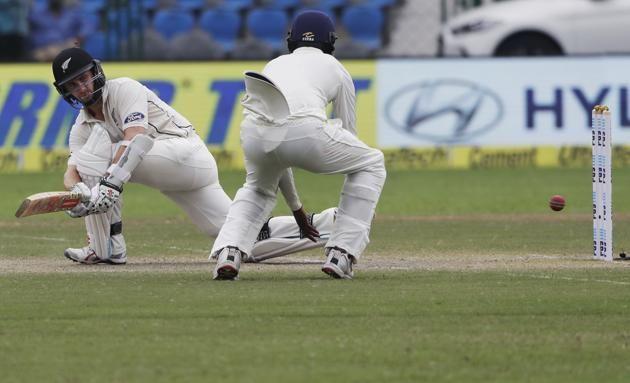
x=120 y=172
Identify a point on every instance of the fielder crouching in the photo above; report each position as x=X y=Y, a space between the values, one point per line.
x=126 y=133
x=286 y=126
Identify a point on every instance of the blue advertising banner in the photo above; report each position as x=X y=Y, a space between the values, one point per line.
x=35 y=122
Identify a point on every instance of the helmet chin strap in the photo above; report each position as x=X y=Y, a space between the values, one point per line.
x=94 y=99
x=78 y=104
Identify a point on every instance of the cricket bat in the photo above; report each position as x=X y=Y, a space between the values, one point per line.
x=48 y=202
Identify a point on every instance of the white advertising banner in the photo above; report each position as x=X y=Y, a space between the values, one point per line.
x=499 y=102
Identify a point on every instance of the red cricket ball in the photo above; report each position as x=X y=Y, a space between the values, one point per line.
x=556 y=203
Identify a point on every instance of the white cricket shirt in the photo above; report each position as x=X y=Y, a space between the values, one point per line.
x=128 y=103
x=310 y=79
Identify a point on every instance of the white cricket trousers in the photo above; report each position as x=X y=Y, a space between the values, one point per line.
x=185 y=171
x=181 y=168
x=318 y=147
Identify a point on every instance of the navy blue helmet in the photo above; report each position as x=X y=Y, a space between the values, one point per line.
x=71 y=63
x=312 y=29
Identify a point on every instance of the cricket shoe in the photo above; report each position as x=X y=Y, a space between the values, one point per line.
x=87 y=256
x=338 y=264
x=228 y=264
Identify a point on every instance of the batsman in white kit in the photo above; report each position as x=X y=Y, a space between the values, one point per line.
x=286 y=125
x=126 y=133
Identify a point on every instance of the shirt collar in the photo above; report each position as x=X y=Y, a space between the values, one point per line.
x=307 y=50
x=84 y=116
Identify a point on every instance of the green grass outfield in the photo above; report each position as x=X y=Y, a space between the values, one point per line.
x=470 y=277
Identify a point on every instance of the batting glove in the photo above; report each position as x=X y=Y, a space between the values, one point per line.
x=82 y=190
x=104 y=196
x=81 y=210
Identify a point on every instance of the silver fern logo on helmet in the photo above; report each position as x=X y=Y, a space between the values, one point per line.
x=64 y=65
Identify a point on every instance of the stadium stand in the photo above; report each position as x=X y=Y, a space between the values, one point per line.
x=223 y=25
x=173 y=21
x=95 y=43
x=93 y=19
x=323 y=8
x=195 y=45
x=377 y=3
x=235 y=5
x=250 y=48
x=364 y=25
x=285 y=5
x=93 y=6
x=53 y=27
x=191 y=5
x=236 y=29
x=268 y=26
x=154 y=47
x=326 y=3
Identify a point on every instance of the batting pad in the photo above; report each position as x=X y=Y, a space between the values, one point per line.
x=278 y=247
x=96 y=154
x=285 y=236
x=98 y=226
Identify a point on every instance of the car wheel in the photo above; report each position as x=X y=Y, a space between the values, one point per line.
x=528 y=44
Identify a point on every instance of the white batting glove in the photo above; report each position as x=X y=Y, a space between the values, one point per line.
x=104 y=196
x=82 y=190
x=81 y=210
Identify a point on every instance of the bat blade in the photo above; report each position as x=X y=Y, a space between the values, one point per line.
x=48 y=202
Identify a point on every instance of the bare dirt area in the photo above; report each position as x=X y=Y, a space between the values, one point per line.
x=370 y=261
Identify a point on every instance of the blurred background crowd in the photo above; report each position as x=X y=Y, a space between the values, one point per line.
x=182 y=29
x=158 y=30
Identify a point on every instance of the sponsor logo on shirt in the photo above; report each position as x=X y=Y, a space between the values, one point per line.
x=308 y=36
x=135 y=116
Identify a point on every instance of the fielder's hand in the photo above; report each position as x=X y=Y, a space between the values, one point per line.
x=104 y=196
x=305 y=223
x=83 y=191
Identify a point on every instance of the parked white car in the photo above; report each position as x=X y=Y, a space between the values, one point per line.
x=539 y=28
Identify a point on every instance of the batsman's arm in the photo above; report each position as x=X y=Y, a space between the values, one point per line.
x=128 y=157
x=129 y=134
x=131 y=152
x=79 y=135
x=72 y=181
x=71 y=177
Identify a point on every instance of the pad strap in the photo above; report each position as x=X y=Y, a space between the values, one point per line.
x=115 y=228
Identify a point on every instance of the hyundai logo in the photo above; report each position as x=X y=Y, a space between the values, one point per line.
x=445 y=111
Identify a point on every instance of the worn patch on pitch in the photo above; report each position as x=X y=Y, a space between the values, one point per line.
x=370 y=261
